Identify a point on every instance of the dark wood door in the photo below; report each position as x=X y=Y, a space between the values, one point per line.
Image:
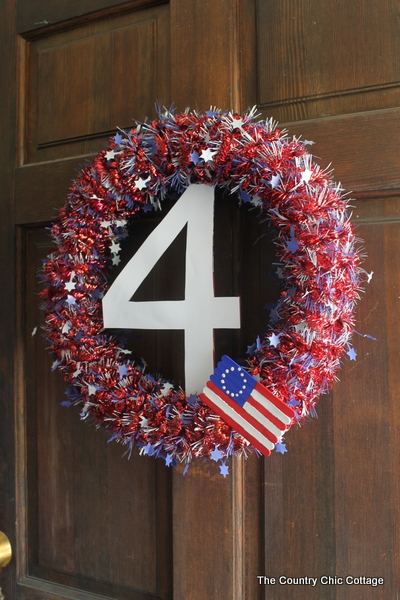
x=84 y=520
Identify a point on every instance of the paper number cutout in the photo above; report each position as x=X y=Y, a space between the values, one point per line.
x=200 y=312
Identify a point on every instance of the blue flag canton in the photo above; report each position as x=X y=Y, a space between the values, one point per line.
x=233 y=381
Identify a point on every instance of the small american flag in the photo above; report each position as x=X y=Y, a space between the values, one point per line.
x=246 y=405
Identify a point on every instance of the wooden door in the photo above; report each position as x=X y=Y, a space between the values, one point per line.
x=84 y=520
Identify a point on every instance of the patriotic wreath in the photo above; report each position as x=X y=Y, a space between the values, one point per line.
x=309 y=329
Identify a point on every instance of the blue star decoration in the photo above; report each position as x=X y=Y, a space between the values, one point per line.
x=224 y=469
x=292 y=245
x=194 y=157
x=123 y=371
x=149 y=449
x=274 y=181
x=216 y=454
x=274 y=339
x=71 y=301
x=352 y=353
x=281 y=448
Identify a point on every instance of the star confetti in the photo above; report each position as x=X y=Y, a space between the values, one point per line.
x=224 y=469
x=216 y=454
x=208 y=154
x=281 y=448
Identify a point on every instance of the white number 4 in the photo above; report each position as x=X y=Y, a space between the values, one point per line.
x=200 y=312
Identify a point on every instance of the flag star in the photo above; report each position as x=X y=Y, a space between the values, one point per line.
x=121 y=222
x=216 y=454
x=280 y=447
x=141 y=183
x=224 y=469
x=274 y=181
x=71 y=300
x=116 y=259
x=66 y=327
x=274 y=339
x=91 y=389
x=105 y=224
x=208 y=154
x=118 y=139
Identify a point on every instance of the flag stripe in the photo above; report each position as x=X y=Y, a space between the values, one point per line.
x=241 y=410
x=262 y=416
x=260 y=406
x=241 y=415
x=284 y=414
x=222 y=409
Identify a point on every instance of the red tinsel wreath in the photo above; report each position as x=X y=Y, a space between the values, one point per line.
x=310 y=327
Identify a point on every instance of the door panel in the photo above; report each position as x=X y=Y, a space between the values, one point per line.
x=96 y=520
x=82 y=83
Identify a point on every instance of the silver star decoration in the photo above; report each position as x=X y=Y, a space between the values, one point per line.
x=66 y=327
x=274 y=339
x=274 y=181
x=166 y=388
x=208 y=154
x=237 y=123
x=140 y=184
x=143 y=422
x=111 y=154
x=305 y=176
x=70 y=285
x=300 y=327
x=116 y=260
x=115 y=247
x=91 y=389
